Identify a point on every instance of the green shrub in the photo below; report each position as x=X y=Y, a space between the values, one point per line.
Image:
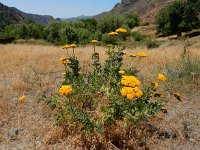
x=152 y=44
x=137 y=36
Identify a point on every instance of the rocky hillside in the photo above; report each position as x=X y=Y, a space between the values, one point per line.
x=41 y=19
x=146 y=9
x=9 y=16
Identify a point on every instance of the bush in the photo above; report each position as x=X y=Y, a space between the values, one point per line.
x=152 y=44
x=110 y=23
x=137 y=36
x=106 y=39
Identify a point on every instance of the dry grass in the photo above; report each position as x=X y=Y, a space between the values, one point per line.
x=34 y=69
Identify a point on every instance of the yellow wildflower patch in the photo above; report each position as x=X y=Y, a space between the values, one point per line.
x=63 y=60
x=21 y=99
x=161 y=77
x=154 y=84
x=113 y=33
x=94 y=41
x=142 y=54
x=65 y=90
x=121 y=30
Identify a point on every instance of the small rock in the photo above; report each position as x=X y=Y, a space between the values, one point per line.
x=174 y=72
x=12 y=133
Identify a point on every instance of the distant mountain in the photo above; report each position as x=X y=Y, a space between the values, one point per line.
x=146 y=9
x=9 y=16
x=74 y=18
x=41 y=19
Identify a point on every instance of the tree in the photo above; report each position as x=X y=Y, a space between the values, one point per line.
x=132 y=20
x=110 y=23
x=178 y=17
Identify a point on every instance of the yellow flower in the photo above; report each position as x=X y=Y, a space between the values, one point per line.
x=178 y=97
x=73 y=45
x=131 y=96
x=154 y=84
x=65 y=90
x=121 y=30
x=113 y=33
x=94 y=41
x=139 y=94
x=161 y=77
x=63 y=60
x=66 y=46
x=142 y=54
x=136 y=89
x=21 y=99
x=121 y=72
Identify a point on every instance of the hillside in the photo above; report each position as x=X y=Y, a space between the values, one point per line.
x=146 y=9
x=41 y=19
x=9 y=16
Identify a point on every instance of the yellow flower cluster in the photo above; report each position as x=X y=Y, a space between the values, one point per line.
x=21 y=99
x=131 y=87
x=94 y=41
x=65 y=90
x=161 y=77
x=66 y=46
x=63 y=60
x=113 y=33
x=69 y=46
x=154 y=84
x=142 y=54
x=121 y=30
x=73 y=45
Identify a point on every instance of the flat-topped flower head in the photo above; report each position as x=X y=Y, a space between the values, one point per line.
x=66 y=46
x=22 y=99
x=73 y=45
x=162 y=77
x=63 y=60
x=113 y=33
x=121 y=30
x=142 y=54
x=65 y=90
x=93 y=41
x=154 y=84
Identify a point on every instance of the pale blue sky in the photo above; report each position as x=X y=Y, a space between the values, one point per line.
x=62 y=8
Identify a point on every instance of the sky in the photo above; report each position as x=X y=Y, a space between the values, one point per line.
x=62 y=8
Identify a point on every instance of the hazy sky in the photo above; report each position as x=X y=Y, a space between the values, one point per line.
x=62 y=8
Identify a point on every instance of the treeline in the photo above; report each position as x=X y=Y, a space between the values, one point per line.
x=79 y=32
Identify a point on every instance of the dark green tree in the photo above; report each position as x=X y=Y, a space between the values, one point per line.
x=132 y=20
x=178 y=17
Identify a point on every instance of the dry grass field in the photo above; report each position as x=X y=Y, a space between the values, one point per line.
x=33 y=70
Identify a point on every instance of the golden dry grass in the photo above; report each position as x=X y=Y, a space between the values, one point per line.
x=34 y=69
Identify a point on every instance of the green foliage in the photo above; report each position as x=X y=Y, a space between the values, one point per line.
x=109 y=39
x=137 y=36
x=178 y=17
x=132 y=20
x=110 y=23
x=152 y=44
x=68 y=35
x=25 y=30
